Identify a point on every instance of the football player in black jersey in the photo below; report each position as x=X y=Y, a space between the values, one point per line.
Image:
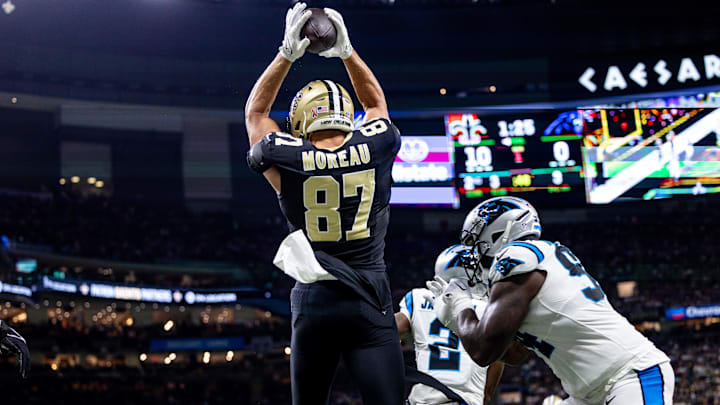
x=333 y=183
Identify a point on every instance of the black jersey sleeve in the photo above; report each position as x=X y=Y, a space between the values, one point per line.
x=384 y=134
x=257 y=156
x=276 y=148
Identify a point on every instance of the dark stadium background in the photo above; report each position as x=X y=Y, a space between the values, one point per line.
x=146 y=97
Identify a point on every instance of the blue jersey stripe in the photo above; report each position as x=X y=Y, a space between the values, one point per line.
x=534 y=249
x=651 y=383
x=409 y=303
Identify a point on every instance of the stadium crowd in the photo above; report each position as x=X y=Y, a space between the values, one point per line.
x=670 y=255
x=648 y=244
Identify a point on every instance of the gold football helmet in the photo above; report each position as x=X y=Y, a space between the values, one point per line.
x=320 y=105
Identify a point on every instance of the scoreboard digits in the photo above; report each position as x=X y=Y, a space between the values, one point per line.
x=518 y=127
x=586 y=155
x=518 y=154
x=478 y=159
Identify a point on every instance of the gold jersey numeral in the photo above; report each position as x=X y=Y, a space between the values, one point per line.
x=351 y=182
x=287 y=139
x=326 y=209
x=373 y=128
x=321 y=196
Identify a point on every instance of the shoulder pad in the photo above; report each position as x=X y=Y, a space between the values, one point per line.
x=514 y=259
x=386 y=135
x=378 y=126
x=260 y=156
x=256 y=155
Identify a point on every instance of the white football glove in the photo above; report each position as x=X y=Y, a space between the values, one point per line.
x=452 y=298
x=292 y=46
x=342 y=48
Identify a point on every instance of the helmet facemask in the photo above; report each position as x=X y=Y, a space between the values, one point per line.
x=459 y=261
x=473 y=269
x=495 y=223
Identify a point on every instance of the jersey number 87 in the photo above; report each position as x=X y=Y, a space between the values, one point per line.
x=321 y=196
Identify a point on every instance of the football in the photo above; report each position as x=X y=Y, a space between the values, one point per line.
x=320 y=30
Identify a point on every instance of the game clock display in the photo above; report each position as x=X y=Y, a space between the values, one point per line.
x=519 y=153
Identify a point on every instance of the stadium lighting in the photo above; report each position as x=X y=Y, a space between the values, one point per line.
x=8 y=7
x=53 y=366
x=443 y=91
x=99 y=184
x=287 y=350
x=62 y=181
x=143 y=356
x=229 y=356
x=206 y=357
x=75 y=179
x=167 y=360
x=13 y=100
x=172 y=356
x=168 y=325
x=91 y=180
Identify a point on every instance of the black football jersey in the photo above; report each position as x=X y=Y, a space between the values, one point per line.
x=338 y=197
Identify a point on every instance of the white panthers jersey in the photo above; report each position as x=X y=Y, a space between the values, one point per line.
x=570 y=323
x=439 y=353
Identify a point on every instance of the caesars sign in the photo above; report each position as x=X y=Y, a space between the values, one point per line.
x=657 y=74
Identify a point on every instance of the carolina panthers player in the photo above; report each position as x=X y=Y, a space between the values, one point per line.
x=438 y=351
x=541 y=293
x=333 y=186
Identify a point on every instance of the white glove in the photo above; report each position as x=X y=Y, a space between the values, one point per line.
x=292 y=46
x=453 y=298
x=342 y=48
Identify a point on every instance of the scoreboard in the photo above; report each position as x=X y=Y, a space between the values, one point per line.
x=561 y=157
x=534 y=154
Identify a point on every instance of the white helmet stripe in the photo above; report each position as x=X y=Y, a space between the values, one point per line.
x=335 y=94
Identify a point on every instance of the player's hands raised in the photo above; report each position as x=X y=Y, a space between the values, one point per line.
x=452 y=298
x=292 y=46
x=342 y=48
x=12 y=342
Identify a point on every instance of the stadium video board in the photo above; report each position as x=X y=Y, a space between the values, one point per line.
x=594 y=156
x=518 y=153
x=424 y=173
x=651 y=154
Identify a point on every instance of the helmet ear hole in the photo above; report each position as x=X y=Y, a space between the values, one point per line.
x=496 y=236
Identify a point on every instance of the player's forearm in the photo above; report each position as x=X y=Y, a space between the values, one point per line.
x=516 y=354
x=403 y=324
x=367 y=88
x=483 y=346
x=494 y=373
x=263 y=96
